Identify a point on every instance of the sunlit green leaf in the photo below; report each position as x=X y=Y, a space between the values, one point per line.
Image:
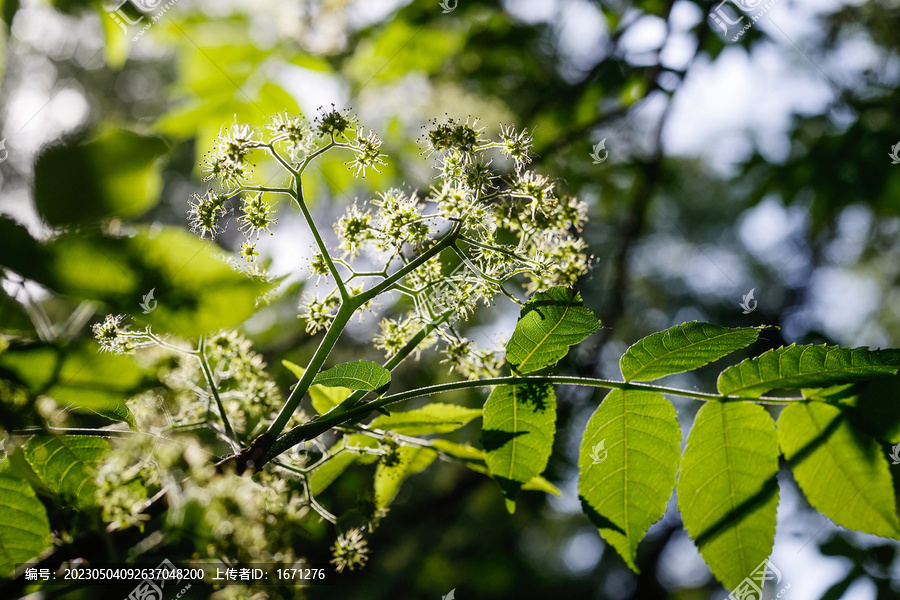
x=67 y=464
x=323 y=398
x=874 y=406
x=401 y=48
x=391 y=472
x=518 y=431
x=727 y=488
x=24 y=529
x=804 y=367
x=627 y=465
x=682 y=348
x=842 y=471
x=549 y=323
x=359 y=375
x=474 y=458
x=340 y=459
x=431 y=418
x=118 y=40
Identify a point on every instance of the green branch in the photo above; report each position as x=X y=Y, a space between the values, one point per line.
x=562 y=379
x=315 y=428
x=301 y=433
x=315 y=363
x=207 y=374
x=298 y=197
x=412 y=265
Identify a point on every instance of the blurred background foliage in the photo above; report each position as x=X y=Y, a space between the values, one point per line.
x=759 y=164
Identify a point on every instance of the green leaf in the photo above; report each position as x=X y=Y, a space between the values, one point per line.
x=518 y=431
x=323 y=398
x=115 y=174
x=474 y=458
x=842 y=471
x=8 y=13
x=549 y=323
x=431 y=418
x=21 y=253
x=24 y=528
x=875 y=407
x=195 y=290
x=77 y=374
x=463 y=452
x=119 y=412
x=810 y=366
x=118 y=42
x=627 y=465
x=340 y=460
x=67 y=464
x=540 y=484
x=682 y=348
x=360 y=375
x=403 y=464
x=727 y=489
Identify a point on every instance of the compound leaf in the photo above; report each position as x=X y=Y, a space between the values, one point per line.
x=359 y=375
x=24 y=528
x=810 y=366
x=727 y=489
x=682 y=348
x=518 y=430
x=66 y=464
x=549 y=323
x=627 y=466
x=842 y=471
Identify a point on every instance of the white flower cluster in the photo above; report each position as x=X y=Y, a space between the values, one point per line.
x=512 y=227
x=289 y=139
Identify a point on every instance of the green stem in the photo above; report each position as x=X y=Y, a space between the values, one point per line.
x=566 y=380
x=312 y=369
x=412 y=265
x=207 y=374
x=288 y=166
x=499 y=249
x=298 y=197
x=259 y=188
x=74 y=431
x=315 y=428
x=348 y=307
x=301 y=433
